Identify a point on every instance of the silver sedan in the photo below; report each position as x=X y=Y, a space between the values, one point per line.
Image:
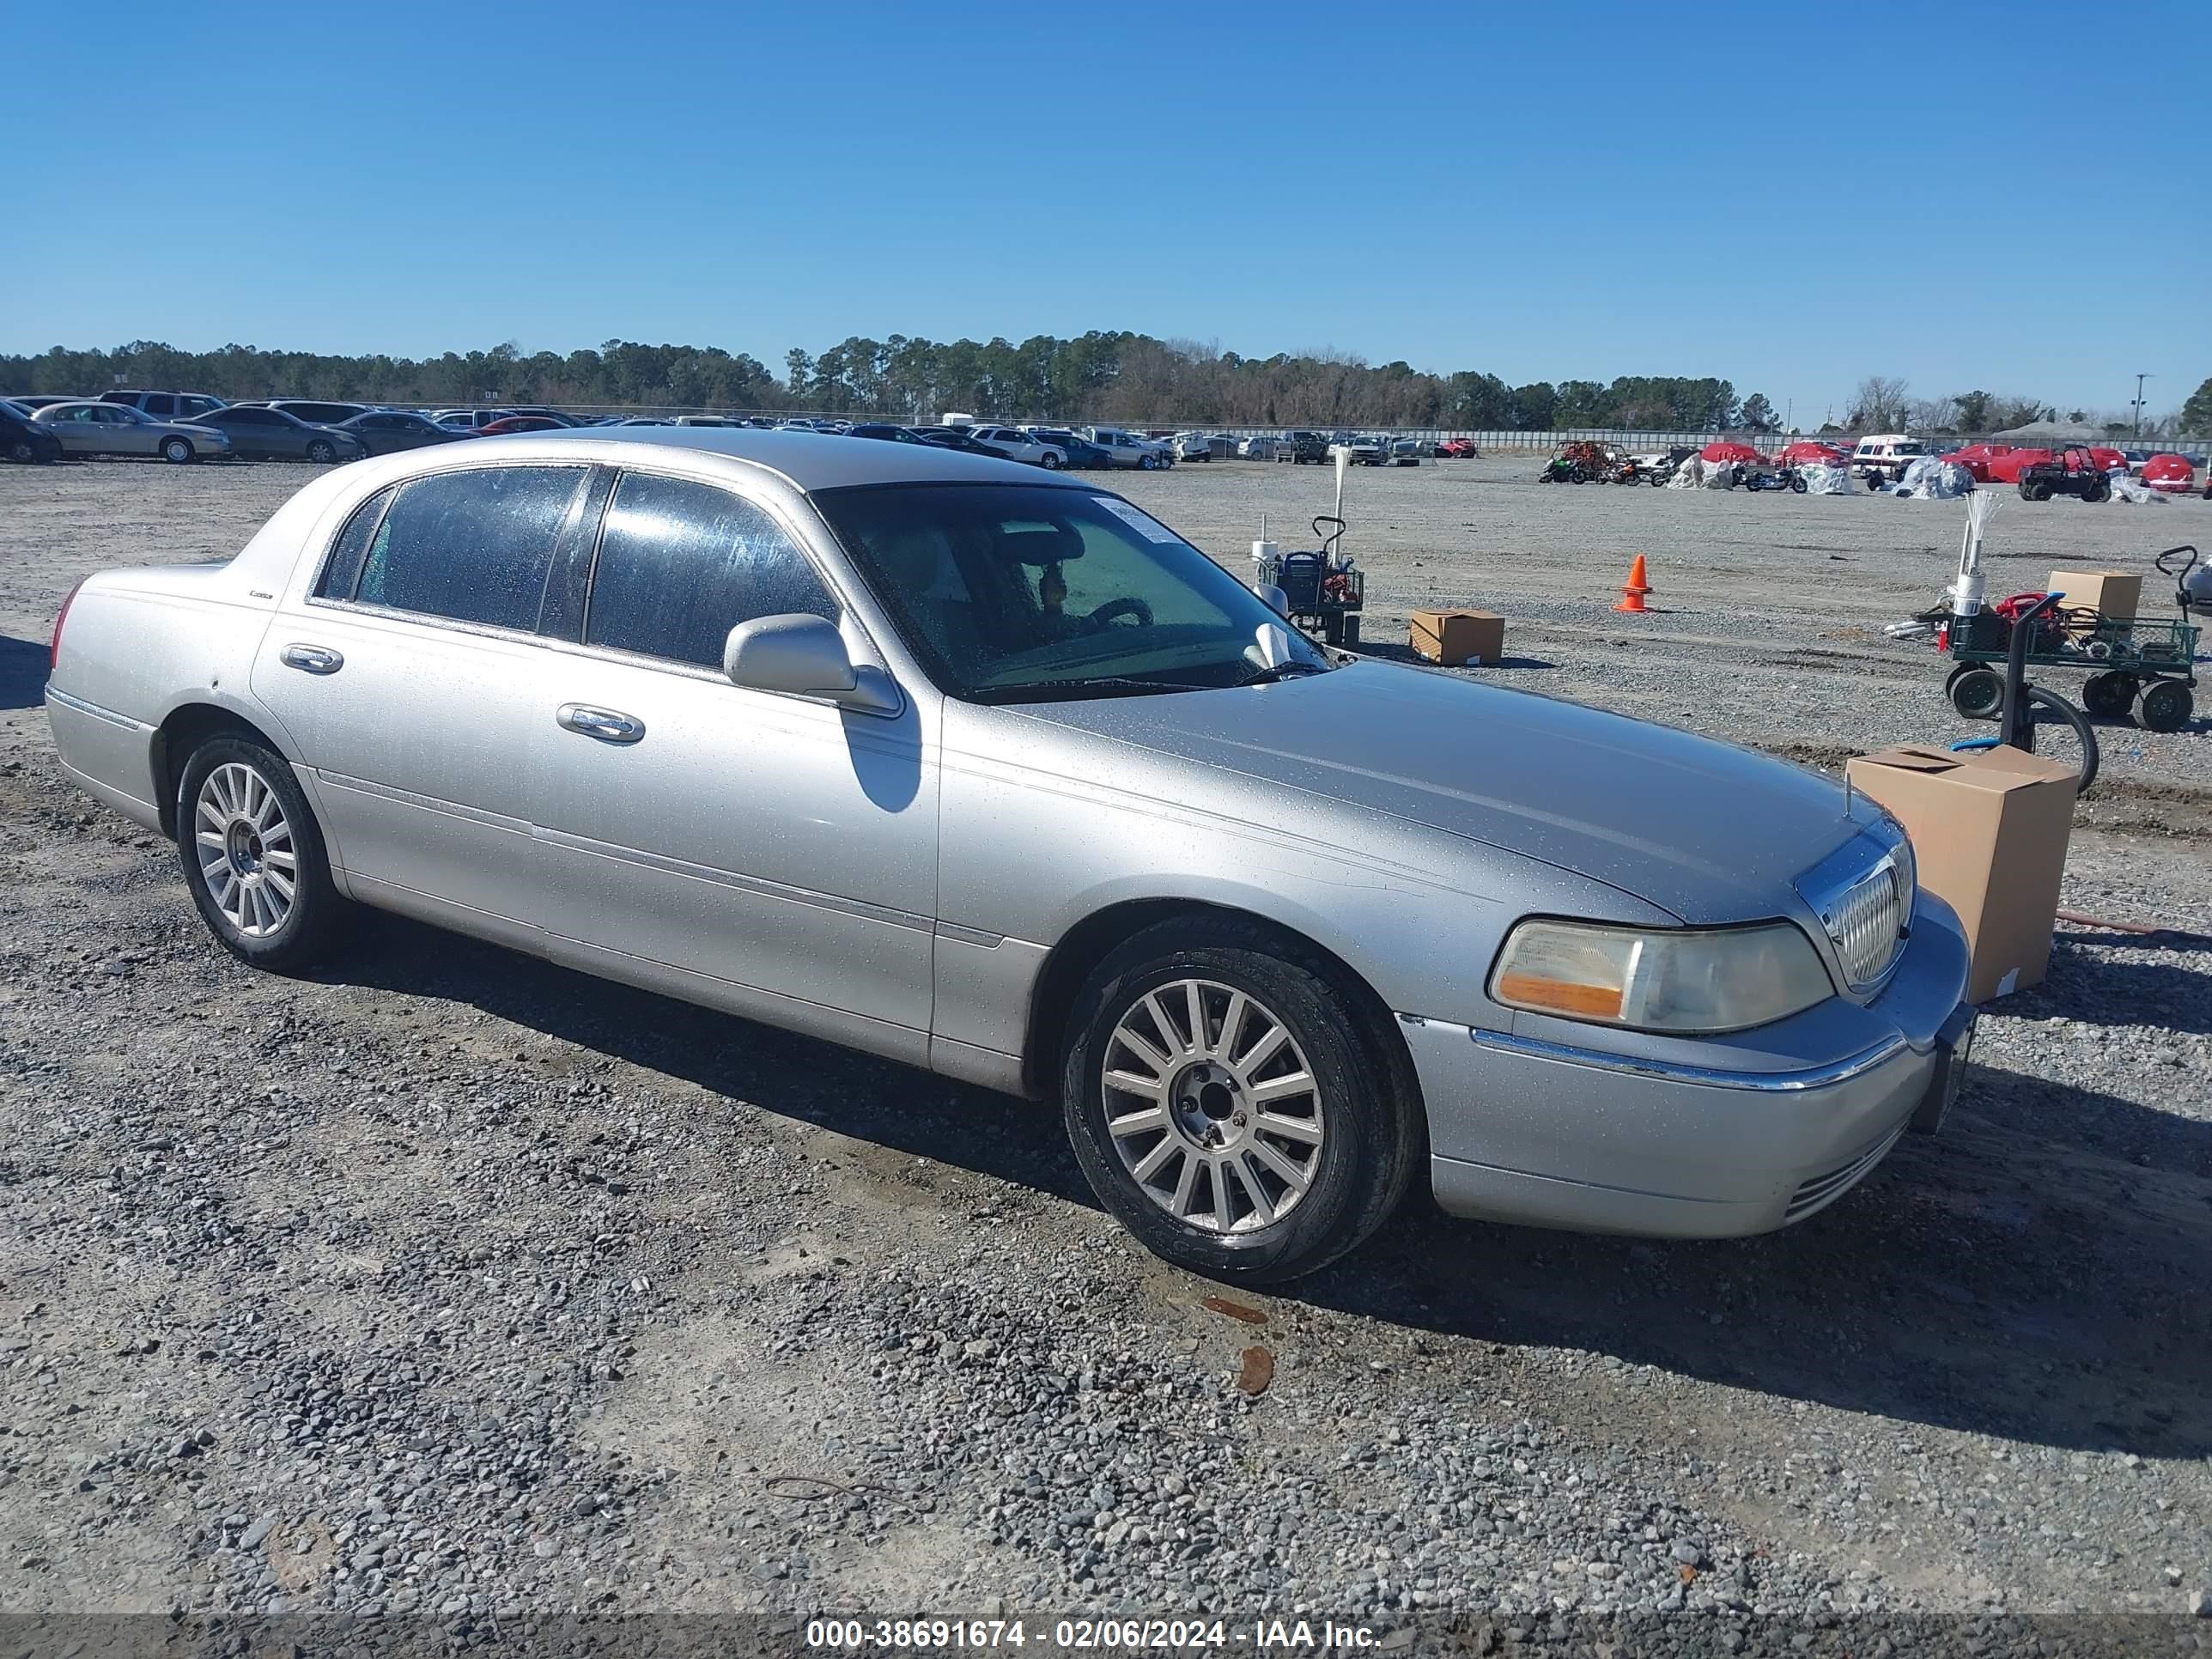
x=992 y=772
x=87 y=428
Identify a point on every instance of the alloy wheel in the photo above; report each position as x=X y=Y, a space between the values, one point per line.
x=1213 y=1106
x=244 y=844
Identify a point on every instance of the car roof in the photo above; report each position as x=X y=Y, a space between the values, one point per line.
x=809 y=460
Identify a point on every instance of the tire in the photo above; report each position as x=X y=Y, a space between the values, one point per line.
x=1149 y=463
x=20 y=451
x=1332 y=628
x=1978 y=693
x=322 y=452
x=2165 y=707
x=2062 y=731
x=1049 y=462
x=2099 y=491
x=1797 y=485
x=246 y=801
x=1349 y=631
x=2108 y=695
x=179 y=451
x=1350 y=1135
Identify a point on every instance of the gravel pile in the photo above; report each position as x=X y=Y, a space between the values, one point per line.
x=457 y=1293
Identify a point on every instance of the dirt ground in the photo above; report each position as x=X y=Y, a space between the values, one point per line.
x=447 y=1282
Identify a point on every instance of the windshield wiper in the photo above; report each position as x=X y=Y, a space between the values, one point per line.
x=1106 y=686
x=1281 y=670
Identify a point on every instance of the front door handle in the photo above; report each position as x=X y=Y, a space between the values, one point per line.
x=604 y=724
x=314 y=659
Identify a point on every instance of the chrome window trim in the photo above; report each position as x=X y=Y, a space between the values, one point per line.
x=1710 y=1077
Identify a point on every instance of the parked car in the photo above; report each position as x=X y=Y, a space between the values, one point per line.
x=1301 y=447
x=1459 y=449
x=1882 y=457
x=1126 y=449
x=271 y=434
x=161 y=405
x=1367 y=449
x=887 y=431
x=514 y=423
x=22 y=438
x=1197 y=445
x=89 y=427
x=309 y=409
x=558 y=417
x=1081 y=453
x=954 y=437
x=1259 y=448
x=387 y=431
x=1405 y=451
x=469 y=419
x=1727 y=1018
x=35 y=401
x=1017 y=444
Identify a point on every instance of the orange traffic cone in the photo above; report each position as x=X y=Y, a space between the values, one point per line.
x=1631 y=595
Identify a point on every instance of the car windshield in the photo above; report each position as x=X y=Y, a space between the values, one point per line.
x=1019 y=592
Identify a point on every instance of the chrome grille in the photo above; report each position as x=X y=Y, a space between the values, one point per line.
x=1866 y=907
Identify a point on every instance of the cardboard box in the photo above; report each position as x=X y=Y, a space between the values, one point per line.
x=2108 y=592
x=1453 y=637
x=1989 y=833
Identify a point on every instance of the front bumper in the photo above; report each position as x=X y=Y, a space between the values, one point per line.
x=1708 y=1139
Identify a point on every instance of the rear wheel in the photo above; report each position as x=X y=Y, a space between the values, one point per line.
x=2165 y=707
x=179 y=449
x=2108 y=695
x=253 y=856
x=1227 y=1104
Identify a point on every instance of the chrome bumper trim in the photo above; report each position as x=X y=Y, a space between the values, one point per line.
x=1815 y=1077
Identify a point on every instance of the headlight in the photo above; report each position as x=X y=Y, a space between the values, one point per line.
x=1658 y=979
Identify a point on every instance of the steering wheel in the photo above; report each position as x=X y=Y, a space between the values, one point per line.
x=1113 y=608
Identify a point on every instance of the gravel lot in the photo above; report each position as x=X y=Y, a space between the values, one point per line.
x=452 y=1283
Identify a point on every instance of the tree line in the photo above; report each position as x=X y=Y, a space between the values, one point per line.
x=1123 y=378
x=1098 y=376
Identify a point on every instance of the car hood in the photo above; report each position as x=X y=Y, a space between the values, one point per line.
x=1706 y=830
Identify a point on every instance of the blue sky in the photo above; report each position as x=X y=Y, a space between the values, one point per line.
x=2011 y=199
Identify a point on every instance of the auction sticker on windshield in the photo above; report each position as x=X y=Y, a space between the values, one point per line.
x=1137 y=518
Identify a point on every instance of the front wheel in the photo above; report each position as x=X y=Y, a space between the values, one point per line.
x=1227 y=1104
x=21 y=449
x=322 y=452
x=1977 y=693
x=1050 y=462
x=1797 y=485
x=1149 y=463
x=177 y=450
x=2108 y=695
x=253 y=856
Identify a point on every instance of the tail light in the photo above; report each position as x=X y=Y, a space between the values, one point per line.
x=54 y=650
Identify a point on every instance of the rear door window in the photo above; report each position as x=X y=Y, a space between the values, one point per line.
x=681 y=563
x=472 y=546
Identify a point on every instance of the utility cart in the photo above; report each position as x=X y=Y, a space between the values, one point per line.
x=1323 y=592
x=2150 y=666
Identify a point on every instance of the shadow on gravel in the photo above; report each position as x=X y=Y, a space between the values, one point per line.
x=2020 y=1275
x=22 y=672
x=792 y=1076
x=2013 y=1276
x=2121 y=993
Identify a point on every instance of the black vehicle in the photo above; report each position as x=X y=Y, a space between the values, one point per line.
x=272 y=435
x=316 y=414
x=1786 y=478
x=1301 y=447
x=387 y=431
x=951 y=437
x=887 y=432
x=2072 y=472
x=26 y=441
x=1080 y=451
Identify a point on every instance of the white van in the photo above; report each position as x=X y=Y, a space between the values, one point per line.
x=1882 y=457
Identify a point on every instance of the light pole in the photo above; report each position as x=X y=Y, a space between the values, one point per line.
x=2139 y=379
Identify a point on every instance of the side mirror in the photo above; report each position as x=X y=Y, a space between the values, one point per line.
x=1274 y=598
x=806 y=657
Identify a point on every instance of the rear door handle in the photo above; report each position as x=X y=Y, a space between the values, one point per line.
x=604 y=724
x=314 y=659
